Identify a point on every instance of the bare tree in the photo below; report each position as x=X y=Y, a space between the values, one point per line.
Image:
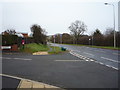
x=109 y=31
x=77 y=29
x=9 y=32
x=38 y=34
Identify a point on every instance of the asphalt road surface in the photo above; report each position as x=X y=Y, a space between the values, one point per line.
x=107 y=57
x=8 y=82
x=62 y=70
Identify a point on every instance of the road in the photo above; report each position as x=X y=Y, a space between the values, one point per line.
x=62 y=70
x=102 y=56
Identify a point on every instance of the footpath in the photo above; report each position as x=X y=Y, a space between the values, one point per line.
x=17 y=83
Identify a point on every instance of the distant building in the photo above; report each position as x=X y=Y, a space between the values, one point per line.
x=25 y=35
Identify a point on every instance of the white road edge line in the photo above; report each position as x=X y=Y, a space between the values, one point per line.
x=101 y=62
x=110 y=59
x=10 y=76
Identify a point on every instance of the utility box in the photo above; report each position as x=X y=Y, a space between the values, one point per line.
x=63 y=49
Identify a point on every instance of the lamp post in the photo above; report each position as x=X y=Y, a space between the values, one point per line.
x=92 y=40
x=89 y=41
x=114 y=22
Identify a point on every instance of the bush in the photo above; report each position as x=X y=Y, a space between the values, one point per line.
x=9 y=39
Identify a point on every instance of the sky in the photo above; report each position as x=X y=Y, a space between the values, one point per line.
x=56 y=16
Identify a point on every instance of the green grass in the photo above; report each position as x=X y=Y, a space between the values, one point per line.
x=33 y=47
x=105 y=47
x=56 y=50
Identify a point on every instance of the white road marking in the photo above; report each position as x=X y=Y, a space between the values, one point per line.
x=69 y=60
x=77 y=51
x=10 y=76
x=110 y=59
x=16 y=58
x=116 y=53
x=115 y=68
x=101 y=63
x=88 y=59
x=108 y=65
x=91 y=60
x=88 y=53
x=7 y=58
x=81 y=57
x=100 y=51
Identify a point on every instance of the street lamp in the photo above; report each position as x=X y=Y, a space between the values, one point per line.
x=114 y=22
x=89 y=41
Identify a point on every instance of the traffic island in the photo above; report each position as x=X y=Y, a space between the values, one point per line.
x=40 y=53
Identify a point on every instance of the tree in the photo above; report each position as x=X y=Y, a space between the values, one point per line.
x=77 y=29
x=9 y=37
x=109 y=37
x=38 y=34
x=9 y=32
x=98 y=38
x=66 y=38
x=97 y=32
x=109 y=31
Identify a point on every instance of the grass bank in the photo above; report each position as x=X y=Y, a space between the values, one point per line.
x=104 y=47
x=55 y=50
x=33 y=47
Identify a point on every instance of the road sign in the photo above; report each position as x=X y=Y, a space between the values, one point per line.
x=23 y=42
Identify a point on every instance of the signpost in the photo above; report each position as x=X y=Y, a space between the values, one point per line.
x=61 y=38
x=89 y=41
x=23 y=42
x=54 y=42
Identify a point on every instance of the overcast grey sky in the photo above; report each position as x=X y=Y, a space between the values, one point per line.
x=56 y=17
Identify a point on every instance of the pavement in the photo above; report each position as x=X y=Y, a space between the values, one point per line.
x=16 y=83
x=8 y=82
x=61 y=70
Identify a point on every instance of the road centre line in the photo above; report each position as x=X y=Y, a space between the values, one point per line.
x=15 y=58
x=69 y=60
x=100 y=51
x=77 y=51
x=88 y=53
x=116 y=53
x=110 y=59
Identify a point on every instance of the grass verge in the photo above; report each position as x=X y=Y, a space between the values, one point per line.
x=55 y=50
x=33 y=47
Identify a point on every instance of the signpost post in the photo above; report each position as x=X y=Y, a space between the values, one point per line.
x=61 y=38
x=54 y=42
x=23 y=42
x=89 y=41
